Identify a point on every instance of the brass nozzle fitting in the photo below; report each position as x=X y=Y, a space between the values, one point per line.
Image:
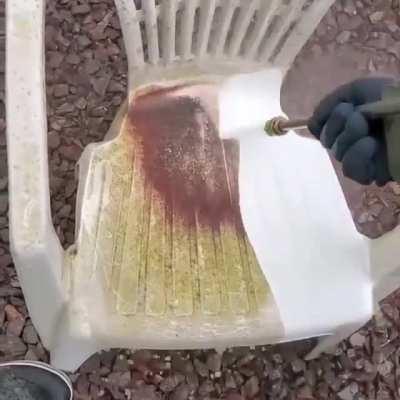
x=273 y=126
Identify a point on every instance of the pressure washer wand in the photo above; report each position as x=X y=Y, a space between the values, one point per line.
x=279 y=126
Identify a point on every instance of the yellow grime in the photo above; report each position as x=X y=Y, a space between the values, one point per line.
x=156 y=266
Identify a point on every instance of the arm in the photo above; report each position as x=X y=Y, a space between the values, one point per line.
x=360 y=144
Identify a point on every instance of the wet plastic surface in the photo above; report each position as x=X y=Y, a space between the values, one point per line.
x=170 y=249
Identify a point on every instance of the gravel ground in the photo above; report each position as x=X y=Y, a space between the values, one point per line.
x=86 y=83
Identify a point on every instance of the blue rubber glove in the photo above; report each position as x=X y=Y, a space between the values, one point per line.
x=359 y=144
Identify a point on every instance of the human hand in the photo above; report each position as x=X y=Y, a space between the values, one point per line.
x=357 y=142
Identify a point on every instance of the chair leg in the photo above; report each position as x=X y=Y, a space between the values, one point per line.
x=328 y=344
x=385 y=264
x=71 y=353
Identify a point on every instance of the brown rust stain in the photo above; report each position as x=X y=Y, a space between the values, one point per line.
x=170 y=237
x=185 y=161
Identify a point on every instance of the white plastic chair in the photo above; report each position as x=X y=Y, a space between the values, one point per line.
x=311 y=273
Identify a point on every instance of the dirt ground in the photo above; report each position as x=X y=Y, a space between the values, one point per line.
x=86 y=83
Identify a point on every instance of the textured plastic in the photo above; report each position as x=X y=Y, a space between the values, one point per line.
x=285 y=261
x=181 y=37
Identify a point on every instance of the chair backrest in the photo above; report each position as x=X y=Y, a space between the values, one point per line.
x=217 y=35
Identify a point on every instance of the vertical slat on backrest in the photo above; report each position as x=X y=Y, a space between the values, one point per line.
x=240 y=28
x=186 y=37
x=207 y=9
x=131 y=32
x=150 y=16
x=263 y=31
x=267 y=13
x=168 y=30
x=302 y=32
x=229 y=7
x=291 y=13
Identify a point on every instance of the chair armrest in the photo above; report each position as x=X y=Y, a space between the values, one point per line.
x=36 y=250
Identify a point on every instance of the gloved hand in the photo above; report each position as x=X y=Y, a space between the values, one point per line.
x=355 y=141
